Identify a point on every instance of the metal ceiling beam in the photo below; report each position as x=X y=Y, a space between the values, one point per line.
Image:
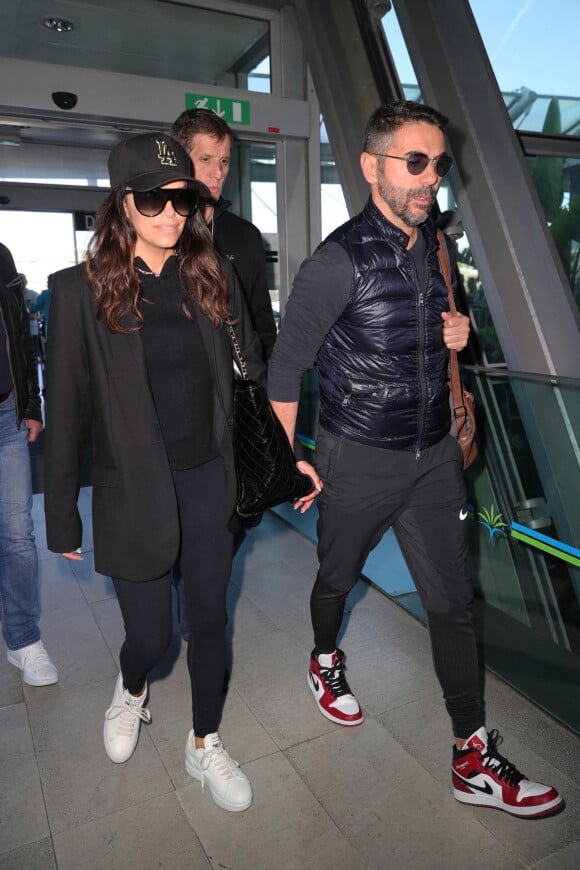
x=349 y=89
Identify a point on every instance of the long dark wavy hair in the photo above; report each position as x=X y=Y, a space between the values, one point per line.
x=114 y=280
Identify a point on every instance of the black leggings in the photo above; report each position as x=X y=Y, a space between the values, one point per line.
x=206 y=561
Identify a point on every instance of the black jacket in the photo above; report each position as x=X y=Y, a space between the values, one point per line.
x=19 y=341
x=97 y=381
x=241 y=242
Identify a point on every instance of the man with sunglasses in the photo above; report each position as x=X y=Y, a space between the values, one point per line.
x=370 y=310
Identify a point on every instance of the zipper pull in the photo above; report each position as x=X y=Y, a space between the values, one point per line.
x=418 y=455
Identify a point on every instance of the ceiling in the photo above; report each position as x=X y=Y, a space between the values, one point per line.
x=167 y=39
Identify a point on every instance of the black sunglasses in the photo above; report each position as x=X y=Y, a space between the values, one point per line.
x=150 y=203
x=417 y=162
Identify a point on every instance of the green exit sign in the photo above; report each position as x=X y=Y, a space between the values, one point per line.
x=232 y=111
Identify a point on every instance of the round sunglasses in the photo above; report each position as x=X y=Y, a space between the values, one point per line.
x=150 y=203
x=417 y=162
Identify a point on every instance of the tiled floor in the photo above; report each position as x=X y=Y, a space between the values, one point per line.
x=326 y=798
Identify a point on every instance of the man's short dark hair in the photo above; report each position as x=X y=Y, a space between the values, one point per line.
x=388 y=118
x=194 y=121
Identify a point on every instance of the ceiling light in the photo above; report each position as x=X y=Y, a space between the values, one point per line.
x=59 y=25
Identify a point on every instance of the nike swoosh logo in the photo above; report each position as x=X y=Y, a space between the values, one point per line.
x=315 y=683
x=463 y=514
x=486 y=789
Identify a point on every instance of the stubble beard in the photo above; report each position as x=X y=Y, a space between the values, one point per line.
x=398 y=199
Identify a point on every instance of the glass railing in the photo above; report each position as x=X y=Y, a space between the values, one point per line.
x=525 y=535
x=524 y=530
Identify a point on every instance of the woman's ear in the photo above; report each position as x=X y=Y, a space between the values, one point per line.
x=125 y=206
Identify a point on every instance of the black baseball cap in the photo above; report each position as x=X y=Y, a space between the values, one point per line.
x=151 y=160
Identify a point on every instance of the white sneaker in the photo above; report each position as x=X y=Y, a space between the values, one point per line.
x=228 y=786
x=122 y=722
x=35 y=664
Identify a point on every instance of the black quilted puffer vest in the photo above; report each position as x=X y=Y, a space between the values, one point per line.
x=383 y=365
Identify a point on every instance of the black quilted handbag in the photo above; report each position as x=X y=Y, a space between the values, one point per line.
x=265 y=463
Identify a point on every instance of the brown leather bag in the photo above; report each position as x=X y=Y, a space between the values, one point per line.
x=462 y=402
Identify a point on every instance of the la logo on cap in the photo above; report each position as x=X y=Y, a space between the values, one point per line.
x=164 y=154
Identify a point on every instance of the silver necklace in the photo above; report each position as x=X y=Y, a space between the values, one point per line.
x=148 y=272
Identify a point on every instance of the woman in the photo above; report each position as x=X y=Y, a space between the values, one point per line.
x=140 y=359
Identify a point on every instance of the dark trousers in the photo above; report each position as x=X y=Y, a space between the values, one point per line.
x=366 y=491
x=206 y=560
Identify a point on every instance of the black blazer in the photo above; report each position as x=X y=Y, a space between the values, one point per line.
x=97 y=383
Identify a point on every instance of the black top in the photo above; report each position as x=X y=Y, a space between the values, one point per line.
x=418 y=251
x=178 y=370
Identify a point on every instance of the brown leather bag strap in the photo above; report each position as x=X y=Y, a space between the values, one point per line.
x=456 y=388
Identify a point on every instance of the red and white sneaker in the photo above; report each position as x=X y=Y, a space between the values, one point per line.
x=484 y=778
x=331 y=691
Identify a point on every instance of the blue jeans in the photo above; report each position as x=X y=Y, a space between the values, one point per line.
x=19 y=604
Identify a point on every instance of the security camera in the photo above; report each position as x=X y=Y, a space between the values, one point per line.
x=64 y=99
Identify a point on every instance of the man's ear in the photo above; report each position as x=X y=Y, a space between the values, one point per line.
x=369 y=166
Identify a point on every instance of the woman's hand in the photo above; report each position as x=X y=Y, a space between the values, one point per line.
x=304 y=503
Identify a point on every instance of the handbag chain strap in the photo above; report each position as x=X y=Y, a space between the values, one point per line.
x=456 y=388
x=237 y=351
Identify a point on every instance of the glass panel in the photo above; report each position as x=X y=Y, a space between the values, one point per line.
x=557 y=181
x=332 y=203
x=40 y=242
x=55 y=165
x=401 y=59
x=259 y=77
x=525 y=534
x=487 y=342
x=165 y=40
x=251 y=186
x=531 y=69
x=489 y=347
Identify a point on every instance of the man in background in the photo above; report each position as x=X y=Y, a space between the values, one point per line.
x=41 y=307
x=30 y=297
x=208 y=140
x=20 y=423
